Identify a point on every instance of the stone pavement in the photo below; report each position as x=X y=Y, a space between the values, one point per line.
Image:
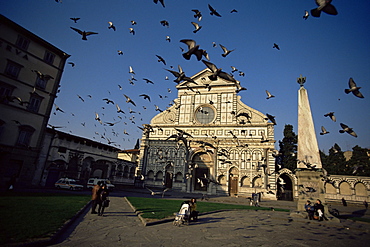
x=122 y=227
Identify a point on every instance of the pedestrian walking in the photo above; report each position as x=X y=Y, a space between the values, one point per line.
x=365 y=204
x=104 y=199
x=344 y=202
x=95 y=199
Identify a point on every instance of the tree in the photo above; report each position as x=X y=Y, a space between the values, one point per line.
x=359 y=164
x=288 y=148
x=334 y=163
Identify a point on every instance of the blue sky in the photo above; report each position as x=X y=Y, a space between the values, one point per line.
x=327 y=50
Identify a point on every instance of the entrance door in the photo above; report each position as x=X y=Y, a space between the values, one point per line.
x=233 y=180
x=284 y=188
x=168 y=180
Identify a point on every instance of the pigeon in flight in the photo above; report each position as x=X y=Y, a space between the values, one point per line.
x=108 y=101
x=347 y=129
x=180 y=76
x=353 y=88
x=145 y=96
x=57 y=108
x=83 y=33
x=197 y=14
x=129 y=100
x=119 y=110
x=276 y=46
x=42 y=76
x=213 y=11
x=269 y=95
x=133 y=23
x=120 y=52
x=132 y=30
x=72 y=64
x=233 y=11
x=74 y=19
x=165 y=23
x=306 y=15
x=80 y=98
x=226 y=51
x=196 y=26
x=148 y=81
x=131 y=71
x=271 y=118
x=233 y=69
x=160 y=59
x=97 y=118
x=331 y=115
x=323 y=131
x=193 y=48
x=217 y=72
x=325 y=6
x=161 y=1
x=168 y=38
x=111 y=26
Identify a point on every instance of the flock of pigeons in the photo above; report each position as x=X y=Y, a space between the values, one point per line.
x=195 y=51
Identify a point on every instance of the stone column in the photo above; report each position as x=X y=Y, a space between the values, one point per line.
x=309 y=167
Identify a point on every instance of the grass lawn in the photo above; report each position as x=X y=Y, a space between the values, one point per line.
x=154 y=208
x=27 y=216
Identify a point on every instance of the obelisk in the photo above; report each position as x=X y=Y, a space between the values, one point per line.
x=309 y=167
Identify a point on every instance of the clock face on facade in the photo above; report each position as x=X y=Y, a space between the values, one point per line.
x=205 y=114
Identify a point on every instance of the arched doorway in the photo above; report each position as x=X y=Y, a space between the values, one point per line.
x=169 y=176
x=284 y=188
x=233 y=181
x=201 y=163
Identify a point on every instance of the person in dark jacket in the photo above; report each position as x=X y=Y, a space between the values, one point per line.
x=319 y=209
x=309 y=209
x=104 y=200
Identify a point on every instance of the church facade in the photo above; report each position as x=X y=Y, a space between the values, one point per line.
x=209 y=142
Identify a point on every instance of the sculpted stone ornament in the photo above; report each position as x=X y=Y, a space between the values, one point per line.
x=301 y=80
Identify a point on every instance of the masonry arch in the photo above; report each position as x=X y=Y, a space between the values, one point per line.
x=345 y=188
x=202 y=164
x=360 y=189
x=284 y=187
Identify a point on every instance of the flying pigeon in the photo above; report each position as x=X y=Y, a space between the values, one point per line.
x=83 y=33
x=165 y=23
x=324 y=5
x=226 y=51
x=271 y=118
x=160 y=59
x=233 y=11
x=145 y=96
x=306 y=15
x=111 y=26
x=133 y=23
x=323 y=131
x=168 y=38
x=197 y=14
x=74 y=19
x=131 y=71
x=353 y=88
x=72 y=64
x=196 y=26
x=347 y=129
x=269 y=95
x=213 y=11
x=119 y=110
x=120 y=52
x=276 y=46
x=129 y=100
x=180 y=76
x=217 y=72
x=132 y=30
x=193 y=48
x=331 y=115
x=161 y=1
x=148 y=81
x=42 y=76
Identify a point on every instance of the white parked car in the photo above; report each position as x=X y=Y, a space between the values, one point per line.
x=93 y=181
x=68 y=183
